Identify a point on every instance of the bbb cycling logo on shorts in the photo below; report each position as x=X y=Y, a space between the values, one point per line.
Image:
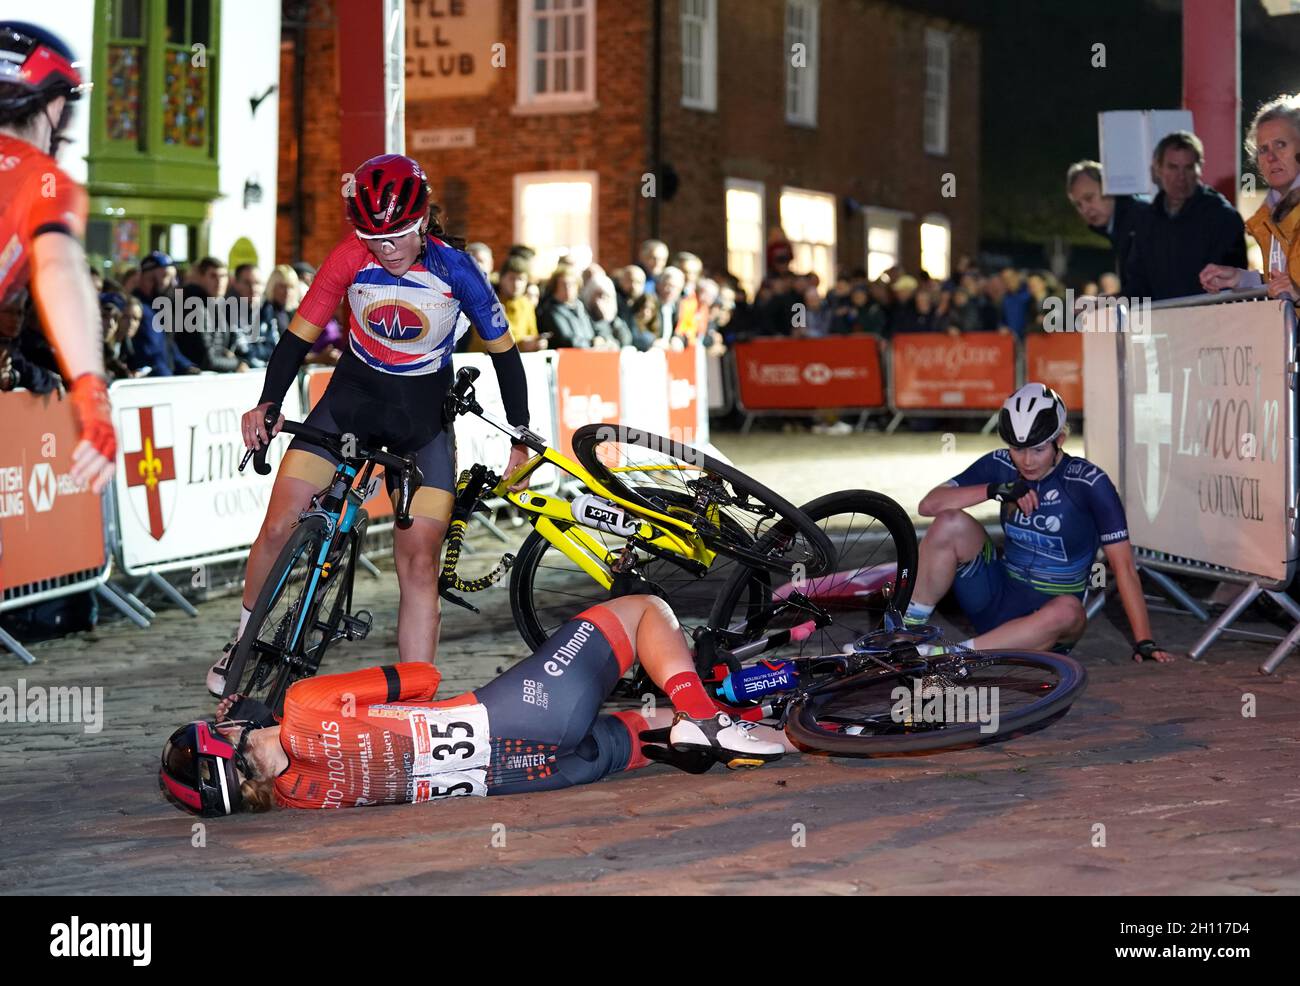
x=399 y=321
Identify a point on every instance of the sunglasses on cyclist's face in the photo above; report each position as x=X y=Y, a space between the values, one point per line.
x=390 y=245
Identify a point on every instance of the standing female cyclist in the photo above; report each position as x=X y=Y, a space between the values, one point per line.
x=407 y=290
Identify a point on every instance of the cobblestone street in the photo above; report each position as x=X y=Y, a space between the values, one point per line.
x=1154 y=783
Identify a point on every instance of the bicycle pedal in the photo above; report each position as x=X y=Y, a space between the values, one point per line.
x=357 y=626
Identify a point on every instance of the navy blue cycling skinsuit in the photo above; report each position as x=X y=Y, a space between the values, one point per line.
x=1046 y=554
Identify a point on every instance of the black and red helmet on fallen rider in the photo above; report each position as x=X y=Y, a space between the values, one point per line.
x=390 y=196
x=198 y=769
x=36 y=66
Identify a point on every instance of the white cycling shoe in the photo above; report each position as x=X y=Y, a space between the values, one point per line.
x=217 y=673
x=729 y=740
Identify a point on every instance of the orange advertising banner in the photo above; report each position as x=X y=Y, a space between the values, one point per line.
x=379 y=506
x=1056 y=359
x=586 y=391
x=49 y=526
x=939 y=372
x=802 y=374
x=683 y=396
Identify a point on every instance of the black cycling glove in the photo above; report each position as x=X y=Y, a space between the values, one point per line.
x=1008 y=492
x=1145 y=649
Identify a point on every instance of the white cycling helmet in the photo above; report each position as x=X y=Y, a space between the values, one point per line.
x=1033 y=415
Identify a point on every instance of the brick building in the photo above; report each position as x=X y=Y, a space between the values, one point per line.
x=851 y=124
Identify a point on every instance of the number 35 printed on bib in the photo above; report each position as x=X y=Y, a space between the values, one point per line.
x=451 y=748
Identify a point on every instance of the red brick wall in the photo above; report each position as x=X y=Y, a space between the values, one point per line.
x=868 y=140
x=867 y=144
x=322 y=209
x=476 y=184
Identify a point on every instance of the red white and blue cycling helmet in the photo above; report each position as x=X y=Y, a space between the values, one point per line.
x=198 y=769
x=35 y=67
x=390 y=197
x=1032 y=416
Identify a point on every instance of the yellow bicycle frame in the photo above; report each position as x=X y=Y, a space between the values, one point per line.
x=553 y=519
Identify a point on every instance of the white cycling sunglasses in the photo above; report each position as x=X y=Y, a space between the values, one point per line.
x=386 y=244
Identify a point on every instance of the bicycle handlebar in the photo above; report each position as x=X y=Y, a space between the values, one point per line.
x=408 y=473
x=460 y=400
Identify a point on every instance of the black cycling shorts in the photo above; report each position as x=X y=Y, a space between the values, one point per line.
x=380 y=420
x=551 y=703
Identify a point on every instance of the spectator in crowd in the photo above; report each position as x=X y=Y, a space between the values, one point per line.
x=780 y=253
x=707 y=292
x=306 y=274
x=327 y=350
x=1016 y=303
x=645 y=319
x=814 y=320
x=1188 y=226
x=97 y=279
x=967 y=312
x=668 y=291
x=1042 y=289
x=482 y=255
x=629 y=282
x=208 y=348
x=533 y=293
x=601 y=301
x=520 y=313
x=129 y=281
x=904 y=317
x=1108 y=285
x=653 y=258
x=276 y=312
x=1273 y=144
x=117 y=346
x=154 y=349
x=561 y=317
x=246 y=285
x=1115 y=217
x=1090 y=289
x=691 y=267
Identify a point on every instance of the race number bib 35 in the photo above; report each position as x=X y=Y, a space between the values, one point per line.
x=449 y=740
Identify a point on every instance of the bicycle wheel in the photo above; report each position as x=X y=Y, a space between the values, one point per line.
x=334 y=599
x=980 y=698
x=264 y=664
x=628 y=462
x=874 y=568
x=547 y=589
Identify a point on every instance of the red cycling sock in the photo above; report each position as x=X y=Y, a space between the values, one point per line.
x=687 y=693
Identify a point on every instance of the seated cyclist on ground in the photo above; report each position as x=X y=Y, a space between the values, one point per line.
x=1056 y=509
x=378 y=736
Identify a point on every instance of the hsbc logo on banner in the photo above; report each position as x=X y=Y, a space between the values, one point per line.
x=42 y=487
x=149 y=466
x=817 y=374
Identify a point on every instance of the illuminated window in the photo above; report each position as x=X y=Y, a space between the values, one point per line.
x=808 y=219
x=745 y=243
x=936 y=247
x=882 y=241
x=558 y=41
x=700 y=54
x=936 y=92
x=555 y=214
x=801 y=18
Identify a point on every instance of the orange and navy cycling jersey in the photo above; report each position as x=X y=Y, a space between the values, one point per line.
x=378 y=736
x=35 y=197
x=407 y=325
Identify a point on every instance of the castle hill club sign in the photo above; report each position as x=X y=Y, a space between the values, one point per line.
x=449 y=48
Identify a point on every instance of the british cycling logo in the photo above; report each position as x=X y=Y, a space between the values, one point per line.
x=397 y=321
x=101 y=940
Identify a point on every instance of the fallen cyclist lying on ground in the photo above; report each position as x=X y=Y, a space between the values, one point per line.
x=377 y=736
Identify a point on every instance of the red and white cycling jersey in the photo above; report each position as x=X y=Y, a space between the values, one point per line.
x=35 y=197
x=407 y=325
